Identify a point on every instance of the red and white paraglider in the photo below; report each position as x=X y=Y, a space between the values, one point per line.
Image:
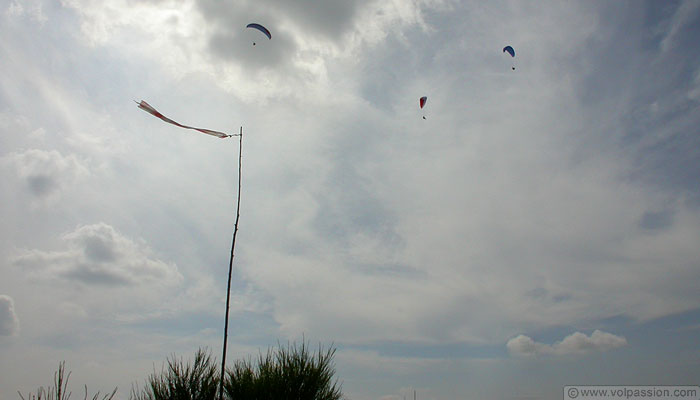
x=261 y=28
x=422 y=102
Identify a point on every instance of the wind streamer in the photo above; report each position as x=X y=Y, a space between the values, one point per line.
x=148 y=108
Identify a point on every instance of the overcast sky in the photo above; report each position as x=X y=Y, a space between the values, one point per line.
x=539 y=228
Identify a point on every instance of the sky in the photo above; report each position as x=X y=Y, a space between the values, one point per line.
x=539 y=228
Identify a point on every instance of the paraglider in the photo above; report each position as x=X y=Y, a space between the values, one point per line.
x=261 y=29
x=511 y=51
x=422 y=102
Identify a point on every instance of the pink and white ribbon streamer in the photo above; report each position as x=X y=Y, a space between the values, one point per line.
x=148 y=108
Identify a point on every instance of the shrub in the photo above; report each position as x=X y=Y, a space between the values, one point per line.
x=182 y=381
x=290 y=373
x=59 y=391
x=286 y=373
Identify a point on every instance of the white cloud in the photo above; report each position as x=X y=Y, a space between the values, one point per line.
x=99 y=255
x=520 y=214
x=509 y=209
x=465 y=237
x=575 y=344
x=9 y=323
x=27 y=8
x=209 y=38
x=44 y=174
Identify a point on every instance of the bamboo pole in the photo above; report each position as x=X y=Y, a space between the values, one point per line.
x=230 y=266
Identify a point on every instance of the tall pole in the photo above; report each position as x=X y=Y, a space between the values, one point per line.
x=230 y=266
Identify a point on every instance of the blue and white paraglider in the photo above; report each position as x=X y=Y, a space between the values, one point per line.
x=261 y=29
x=511 y=51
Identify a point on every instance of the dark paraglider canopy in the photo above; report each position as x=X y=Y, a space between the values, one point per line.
x=509 y=50
x=422 y=102
x=261 y=29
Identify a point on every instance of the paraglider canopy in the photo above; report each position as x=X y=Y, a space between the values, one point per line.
x=509 y=50
x=261 y=29
x=422 y=102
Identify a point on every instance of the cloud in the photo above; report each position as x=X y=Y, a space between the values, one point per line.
x=44 y=174
x=9 y=323
x=329 y=27
x=683 y=16
x=510 y=209
x=575 y=344
x=694 y=90
x=656 y=220
x=99 y=255
x=27 y=8
x=209 y=37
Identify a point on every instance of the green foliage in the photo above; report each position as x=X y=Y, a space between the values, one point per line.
x=182 y=381
x=59 y=391
x=287 y=373
x=284 y=373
